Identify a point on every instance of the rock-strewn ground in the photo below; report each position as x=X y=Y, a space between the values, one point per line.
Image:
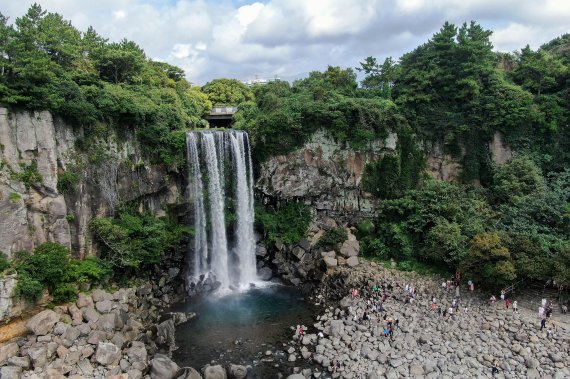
x=101 y=335
x=426 y=345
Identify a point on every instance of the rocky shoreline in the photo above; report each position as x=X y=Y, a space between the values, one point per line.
x=424 y=344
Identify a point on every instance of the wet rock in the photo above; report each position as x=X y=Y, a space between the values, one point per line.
x=265 y=273
x=214 y=372
x=162 y=367
x=237 y=371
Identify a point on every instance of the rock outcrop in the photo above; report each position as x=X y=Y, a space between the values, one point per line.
x=37 y=153
x=324 y=172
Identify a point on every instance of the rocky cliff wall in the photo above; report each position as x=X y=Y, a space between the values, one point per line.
x=37 y=150
x=324 y=173
x=327 y=174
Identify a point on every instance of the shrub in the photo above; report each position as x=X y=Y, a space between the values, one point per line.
x=67 y=181
x=90 y=270
x=4 y=262
x=288 y=223
x=65 y=292
x=28 y=287
x=332 y=237
x=365 y=228
x=48 y=265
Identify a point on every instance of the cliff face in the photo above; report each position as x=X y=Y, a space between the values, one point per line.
x=327 y=174
x=37 y=151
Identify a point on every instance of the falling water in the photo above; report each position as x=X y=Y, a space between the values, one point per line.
x=244 y=228
x=210 y=154
x=200 y=237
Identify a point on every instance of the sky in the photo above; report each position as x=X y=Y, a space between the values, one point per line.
x=289 y=38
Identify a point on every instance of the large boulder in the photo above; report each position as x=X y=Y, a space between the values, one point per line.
x=42 y=323
x=137 y=352
x=162 y=367
x=350 y=249
x=265 y=273
x=238 y=371
x=215 y=372
x=7 y=351
x=330 y=262
x=165 y=333
x=107 y=353
x=38 y=355
x=10 y=372
x=188 y=373
x=352 y=262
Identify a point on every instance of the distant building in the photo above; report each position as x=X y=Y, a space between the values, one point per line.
x=261 y=81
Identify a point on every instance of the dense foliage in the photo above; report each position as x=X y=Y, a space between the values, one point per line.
x=288 y=223
x=284 y=116
x=46 y=63
x=135 y=240
x=50 y=267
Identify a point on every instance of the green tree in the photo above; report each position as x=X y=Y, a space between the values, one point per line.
x=379 y=77
x=227 y=92
x=489 y=261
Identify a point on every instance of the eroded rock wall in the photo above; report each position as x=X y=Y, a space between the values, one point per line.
x=325 y=173
x=33 y=212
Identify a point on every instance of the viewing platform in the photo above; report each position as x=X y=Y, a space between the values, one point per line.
x=222 y=113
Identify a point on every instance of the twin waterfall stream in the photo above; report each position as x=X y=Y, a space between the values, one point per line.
x=221 y=193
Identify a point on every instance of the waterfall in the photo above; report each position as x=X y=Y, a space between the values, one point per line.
x=221 y=162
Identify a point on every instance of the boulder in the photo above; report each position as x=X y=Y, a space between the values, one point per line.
x=107 y=322
x=165 y=333
x=237 y=371
x=260 y=251
x=42 y=323
x=10 y=372
x=107 y=353
x=188 y=373
x=162 y=367
x=70 y=336
x=350 y=249
x=352 y=262
x=214 y=372
x=84 y=301
x=265 y=273
x=330 y=262
x=90 y=314
x=38 y=355
x=137 y=352
x=104 y=306
x=7 y=351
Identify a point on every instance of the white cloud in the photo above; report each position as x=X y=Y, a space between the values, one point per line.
x=287 y=37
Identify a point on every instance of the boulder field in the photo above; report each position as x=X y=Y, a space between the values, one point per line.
x=425 y=344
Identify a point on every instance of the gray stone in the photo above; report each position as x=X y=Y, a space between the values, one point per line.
x=100 y=295
x=7 y=351
x=96 y=336
x=165 y=333
x=10 y=372
x=137 y=352
x=188 y=373
x=107 y=322
x=70 y=336
x=237 y=371
x=23 y=362
x=296 y=376
x=90 y=314
x=42 y=323
x=416 y=370
x=107 y=353
x=38 y=355
x=214 y=372
x=265 y=273
x=136 y=374
x=104 y=306
x=352 y=261
x=350 y=249
x=330 y=262
x=162 y=367
x=260 y=251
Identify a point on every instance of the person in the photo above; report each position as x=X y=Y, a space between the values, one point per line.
x=472 y=286
x=503 y=294
x=493 y=299
x=333 y=367
x=507 y=303
x=457 y=291
x=299 y=330
x=386 y=331
x=542 y=323
x=540 y=312
x=515 y=306
x=495 y=367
